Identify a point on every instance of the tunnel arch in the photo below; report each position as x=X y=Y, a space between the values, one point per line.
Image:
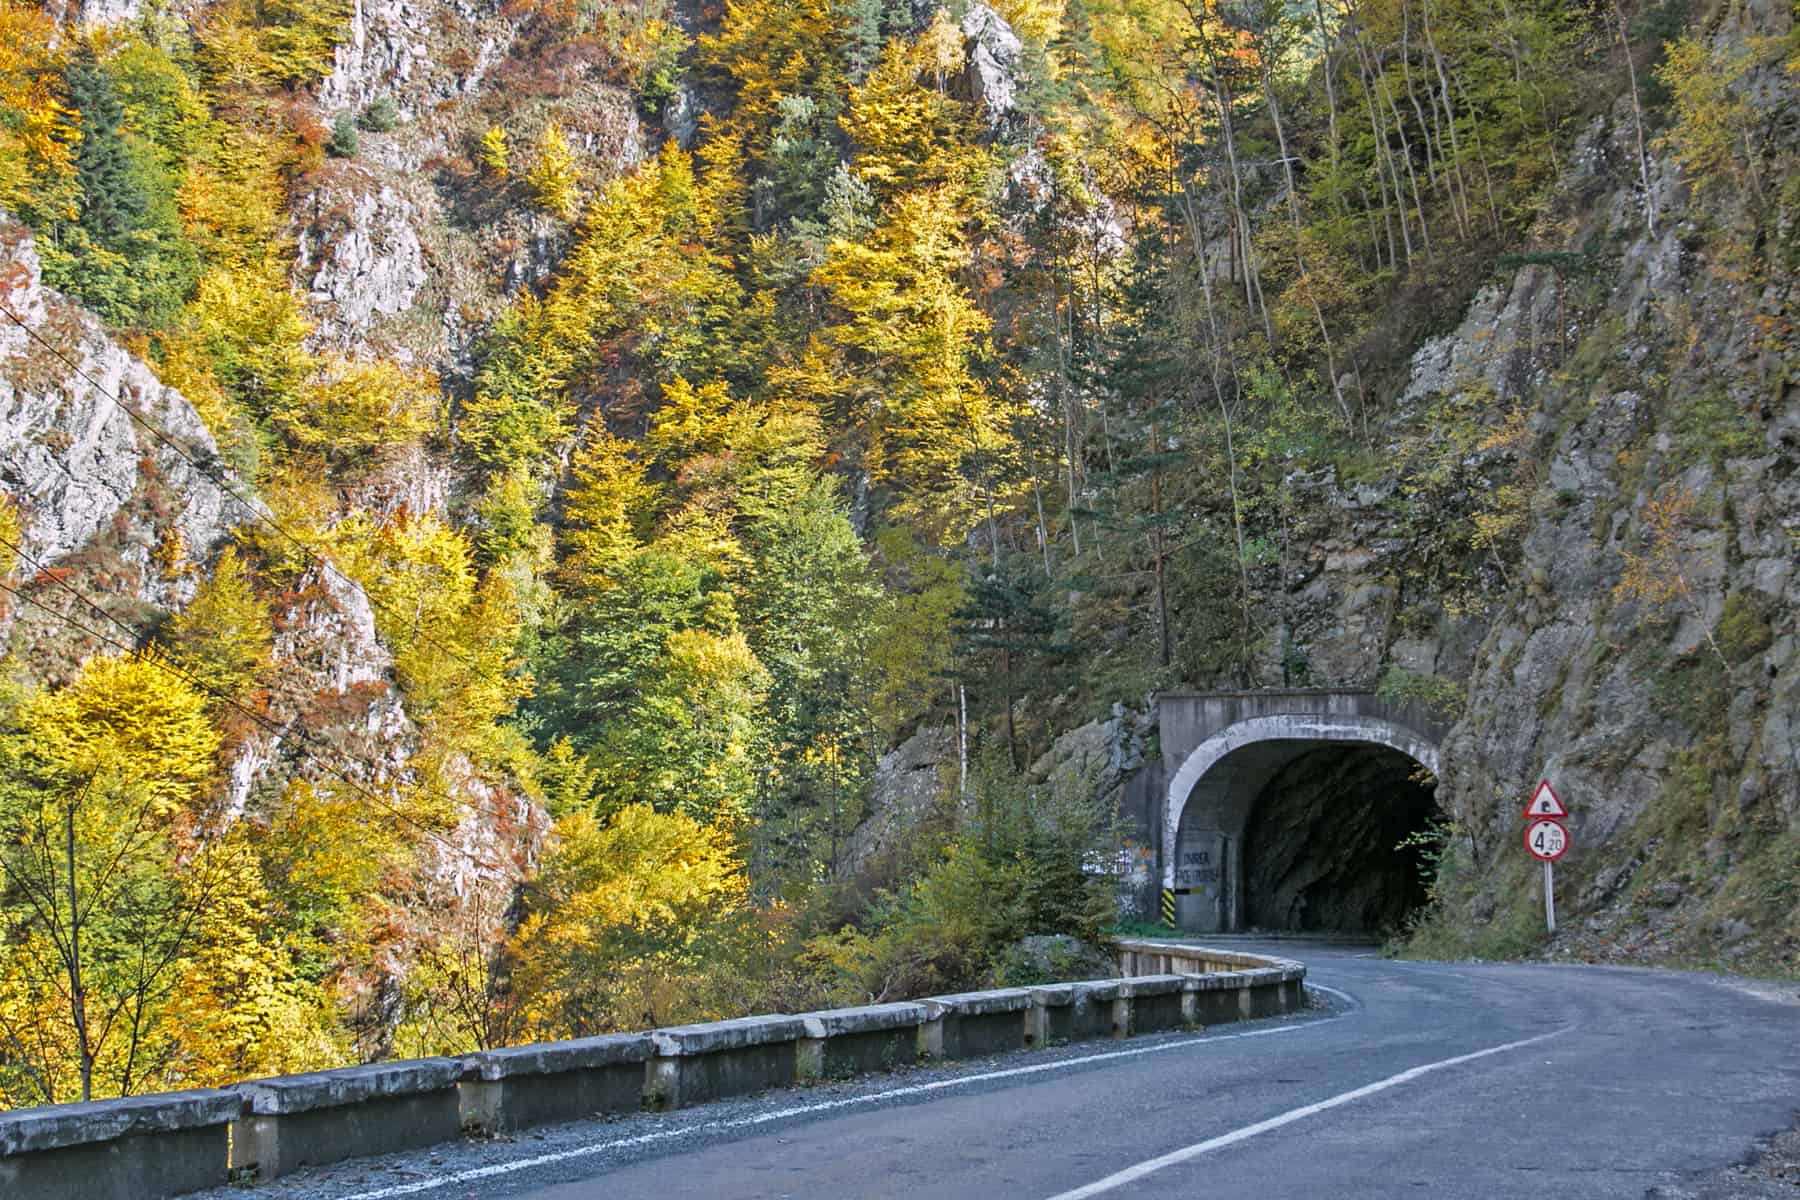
x=1211 y=795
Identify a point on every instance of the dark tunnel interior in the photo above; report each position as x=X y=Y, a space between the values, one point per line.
x=1323 y=850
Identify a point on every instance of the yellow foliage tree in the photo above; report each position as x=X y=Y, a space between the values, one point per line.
x=248 y=325
x=222 y=637
x=554 y=180
x=106 y=874
x=1712 y=137
x=909 y=131
x=10 y=532
x=911 y=335
x=452 y=633
x=771 y=49
x=37 y=134
x=619 y=915
x=606 y=511
x=495 y=158
x=240 y=1010
x=351 y=407
x=692 y=420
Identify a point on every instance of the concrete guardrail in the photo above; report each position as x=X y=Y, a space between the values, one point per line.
x=149 y=1147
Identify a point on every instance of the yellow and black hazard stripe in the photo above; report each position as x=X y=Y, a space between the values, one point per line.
x=1168 y=907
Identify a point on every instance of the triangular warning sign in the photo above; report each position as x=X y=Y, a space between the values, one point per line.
x=1545 y=803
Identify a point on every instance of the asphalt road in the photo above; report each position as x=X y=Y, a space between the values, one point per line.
x=1444 y=1081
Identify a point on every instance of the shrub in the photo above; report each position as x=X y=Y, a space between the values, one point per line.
x=343 y=142
x=554 y=180
x=351 y=408
x=1400 y=686
x=1022 y=865
x=381 y=116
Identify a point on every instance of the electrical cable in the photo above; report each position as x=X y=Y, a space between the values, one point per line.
x=223 y=697
x=255 y=511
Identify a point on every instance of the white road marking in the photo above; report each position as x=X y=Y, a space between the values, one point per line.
x=662 y=1135
x=1132 y=1174
x=1346 y=997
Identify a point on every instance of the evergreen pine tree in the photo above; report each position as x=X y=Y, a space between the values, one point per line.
x=113 y=201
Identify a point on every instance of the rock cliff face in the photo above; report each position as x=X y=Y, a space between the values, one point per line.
x=358 y=256
x=103 y=501
x=1649 y=668
x=394 y=50
x=913 y=783
x=993 y=52
x=130 y=515
x=1641 y=651
x=129 y=521
x=407 y=249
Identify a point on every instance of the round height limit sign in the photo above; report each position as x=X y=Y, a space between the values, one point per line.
x=1547 y=839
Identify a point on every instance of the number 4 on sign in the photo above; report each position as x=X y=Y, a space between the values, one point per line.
x=1545 y=803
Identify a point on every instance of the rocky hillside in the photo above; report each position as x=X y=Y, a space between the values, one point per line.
x=697 y=495
x=1646 y=657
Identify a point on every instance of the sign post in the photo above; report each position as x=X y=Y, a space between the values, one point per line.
x=1548 y=840
x=1550 y=896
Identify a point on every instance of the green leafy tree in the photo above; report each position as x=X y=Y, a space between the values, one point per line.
x=124 y=253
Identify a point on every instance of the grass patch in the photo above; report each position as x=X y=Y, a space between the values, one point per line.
x=1710 y=428
x=1745 y=630
x=1446 y=930
x=1443 y=696
x=1692 y=688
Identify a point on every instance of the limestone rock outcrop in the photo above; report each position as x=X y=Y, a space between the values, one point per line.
x=912 y=780
x=358 y=255
x=126 y=497
x=993 y=52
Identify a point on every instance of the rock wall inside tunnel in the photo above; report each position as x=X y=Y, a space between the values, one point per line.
x=1332 y=842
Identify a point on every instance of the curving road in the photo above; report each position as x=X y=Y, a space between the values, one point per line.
x=1453 y=1080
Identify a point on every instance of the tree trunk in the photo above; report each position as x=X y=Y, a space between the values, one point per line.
x=77 y=989
x=962 y=745
x=1287 y=165
x=1012 y=735
x=1157 y=550
x=1637 y=112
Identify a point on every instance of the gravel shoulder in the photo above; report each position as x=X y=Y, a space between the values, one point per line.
x=1772 y=1172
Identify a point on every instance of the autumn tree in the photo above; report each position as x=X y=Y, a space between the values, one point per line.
x=554 y=179
x=619 y=917
x=108 y=874
x=222 y=637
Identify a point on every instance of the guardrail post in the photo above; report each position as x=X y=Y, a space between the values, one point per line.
x=1121 y=1016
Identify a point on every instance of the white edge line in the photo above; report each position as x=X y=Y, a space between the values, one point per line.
x=524 y=1164
x=1346 y=997
x=1149 y=1166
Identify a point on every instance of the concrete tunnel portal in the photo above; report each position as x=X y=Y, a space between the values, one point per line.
x=1296 y=810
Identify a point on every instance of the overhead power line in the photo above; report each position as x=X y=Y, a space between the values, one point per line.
x=327 y=752
x=223 y=484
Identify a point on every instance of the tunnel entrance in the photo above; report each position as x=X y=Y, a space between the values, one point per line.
x=1323 y=848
